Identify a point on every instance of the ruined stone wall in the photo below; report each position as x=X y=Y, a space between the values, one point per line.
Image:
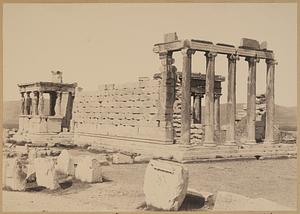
x=260 y=123
x=120 y=110
x=177 y=111
x=197 y=130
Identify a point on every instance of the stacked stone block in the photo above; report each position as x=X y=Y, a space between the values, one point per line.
x=197 y=130
x=260 y=122
x=177 y=111
x=197 y=133
x=129 y=110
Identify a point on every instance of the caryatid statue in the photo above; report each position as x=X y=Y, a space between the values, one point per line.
x=28 y=104
x=35 y=103
x=22 y=103
x=41 y=104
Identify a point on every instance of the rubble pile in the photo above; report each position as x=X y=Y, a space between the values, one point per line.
x=197 y=130
x=35 y=170
x=166 y=189
x=287 y=137
x=260 y=122
x=28 y=165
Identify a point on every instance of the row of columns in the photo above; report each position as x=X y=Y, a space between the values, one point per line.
x=212 y=110
x=251 y=100
x=35 y=105
x=197 y=102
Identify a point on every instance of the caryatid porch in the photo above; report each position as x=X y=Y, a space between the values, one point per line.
x=251 y=50
x=33 y=116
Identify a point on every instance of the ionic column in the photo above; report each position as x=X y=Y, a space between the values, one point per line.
x=41 y=103
x=231 y=100
x=58 y=103
x=22 y=110
x=270 y=104
x=35 y=103
x=186 y=95
x=197 y=109
x=209 y=99
x=251 y=100
x=217 y=117
x=167 y=94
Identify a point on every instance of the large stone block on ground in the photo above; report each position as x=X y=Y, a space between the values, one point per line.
x=119 y=158
x=143 y=158
x=165 y=184
x=46 y=175
x=13 y=174
x=65 y=163
x=227 y=201
x=88 y=169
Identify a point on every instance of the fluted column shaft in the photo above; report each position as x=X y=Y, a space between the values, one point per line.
x=209 y=99
x=251 y=100
x=270 y=104
x=217 y=117
x=231 y=100
x=186 y=96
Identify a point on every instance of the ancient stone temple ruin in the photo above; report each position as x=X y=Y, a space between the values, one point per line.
x=252 y=52
x=34 y=120
x=161 y=115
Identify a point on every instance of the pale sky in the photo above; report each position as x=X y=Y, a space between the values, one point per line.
x=94 y=44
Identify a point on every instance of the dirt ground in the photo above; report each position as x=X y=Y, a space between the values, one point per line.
x=275 y=180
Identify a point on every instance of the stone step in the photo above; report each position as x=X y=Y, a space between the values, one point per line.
x=233 y=151
x=236 y=156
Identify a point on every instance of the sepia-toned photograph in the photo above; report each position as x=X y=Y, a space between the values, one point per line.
x=135 y=107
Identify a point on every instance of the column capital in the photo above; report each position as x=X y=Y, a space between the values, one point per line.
x=233 y=57
x=210 y=54
x=271 y=62
x=187 y=51
x=199 y=95
x=165 y=54
x=252 y=59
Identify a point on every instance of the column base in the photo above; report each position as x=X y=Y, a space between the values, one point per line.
x=230 y=143
x=250 y=142
x=209 y=144
x=268 y=142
